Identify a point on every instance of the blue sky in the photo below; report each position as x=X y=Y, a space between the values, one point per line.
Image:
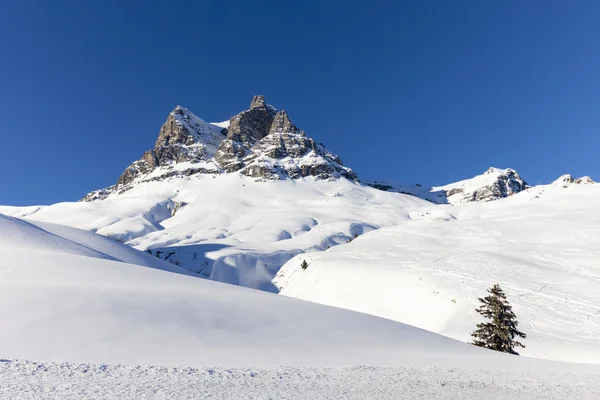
x=417 y=91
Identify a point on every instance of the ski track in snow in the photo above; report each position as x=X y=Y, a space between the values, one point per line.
x=25 y=380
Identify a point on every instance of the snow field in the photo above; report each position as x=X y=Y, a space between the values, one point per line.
x=22 y=380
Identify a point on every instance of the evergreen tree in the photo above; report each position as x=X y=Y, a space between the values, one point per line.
x=500 y=332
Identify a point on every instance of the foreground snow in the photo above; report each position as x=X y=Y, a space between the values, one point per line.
x=24 y=380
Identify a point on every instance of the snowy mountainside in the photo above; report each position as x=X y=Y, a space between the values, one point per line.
x=540 y=245
x=493 y=184
x=229 y=227
x=42 y=237
x=233 y=229
x=82 y=325
x=260 y=142
x=117 y=312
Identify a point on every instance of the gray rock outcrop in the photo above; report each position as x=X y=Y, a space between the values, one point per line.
x=259 y=142
x=245 y=130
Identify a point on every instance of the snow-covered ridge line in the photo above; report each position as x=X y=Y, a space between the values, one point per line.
x=568 y=179
x=493 y=184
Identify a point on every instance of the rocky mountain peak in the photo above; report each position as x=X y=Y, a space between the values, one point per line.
x=495 y=183
x=183 y=137
x=283 y=124
x=258 y=101
x=260 y=142
x=245 y=130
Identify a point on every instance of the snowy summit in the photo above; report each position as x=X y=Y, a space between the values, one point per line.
x=260 y=142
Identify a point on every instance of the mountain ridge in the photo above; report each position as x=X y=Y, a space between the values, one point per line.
x=261 y=142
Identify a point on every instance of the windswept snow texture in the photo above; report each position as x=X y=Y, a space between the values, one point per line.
x=21 y=380
x=426 y=267
x=231 y=228
x=540 y=245
x=22 y=238
x=63 y=301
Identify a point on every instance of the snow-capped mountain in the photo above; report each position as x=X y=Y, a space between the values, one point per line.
x=260 y=142
x=493 y=184
x=567 y=179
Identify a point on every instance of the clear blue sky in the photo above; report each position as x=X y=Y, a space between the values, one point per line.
x=415 y=91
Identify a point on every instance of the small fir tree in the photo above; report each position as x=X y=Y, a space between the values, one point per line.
x=304 y=264
x=500 y=332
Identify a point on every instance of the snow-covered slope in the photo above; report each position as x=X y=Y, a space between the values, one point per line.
x=68 y=296
x=233 y=229
x=540 y=245
x=229 y=227
x=18 y=236
x=69 y=303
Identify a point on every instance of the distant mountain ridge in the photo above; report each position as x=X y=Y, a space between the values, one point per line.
x=493 y=184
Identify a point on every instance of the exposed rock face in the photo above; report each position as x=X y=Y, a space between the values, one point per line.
x=258 y=101
x=567 y=179
x=185 y=146
x=584 y=180
x=287 y=152
x=507 y=182
x=146 y=165
x=245 y=129
x=259 y=142
x=282 y=124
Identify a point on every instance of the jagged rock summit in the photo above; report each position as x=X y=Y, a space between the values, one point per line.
x=260 y=142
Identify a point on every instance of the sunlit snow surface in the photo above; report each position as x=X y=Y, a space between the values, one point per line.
x=64 y=381
x=93 y=315
x=414 y=261
x=542 y=246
